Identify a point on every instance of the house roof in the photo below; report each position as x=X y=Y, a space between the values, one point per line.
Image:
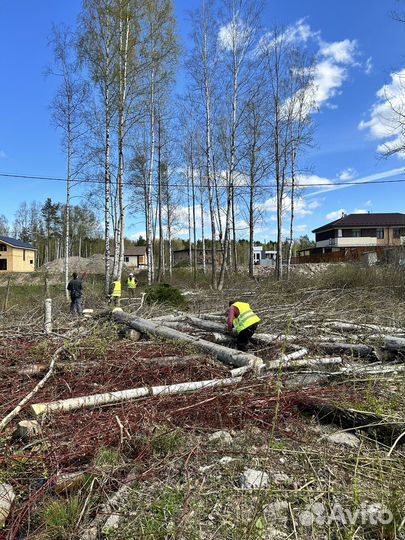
x=16 y=243
x=135 y=250
x=365 y=220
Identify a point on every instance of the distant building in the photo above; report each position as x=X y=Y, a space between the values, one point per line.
x=180 y=255
x=264 y=257
x=135 y=257
x=16 y=256
x=359 y=231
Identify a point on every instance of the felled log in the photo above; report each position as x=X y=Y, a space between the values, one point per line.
x=375 y=370
x=317 y=362
x=224 y=354
x=268 y=339
x=109 y=398
x=237 y=372
x=352 y=349
x=375 y=425
x=212 y=317
x=394 y=343
x=221 y=338
x=165 y=360
x=209 y=326
x=351 y=326
x=286 y=358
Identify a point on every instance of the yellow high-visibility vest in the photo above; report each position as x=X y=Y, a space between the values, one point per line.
x=131 y=283
x=246 y=317
x=117 y=289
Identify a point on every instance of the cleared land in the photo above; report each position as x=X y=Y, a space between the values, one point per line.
x=318 y=437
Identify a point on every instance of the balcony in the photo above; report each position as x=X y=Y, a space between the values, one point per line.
x=354 y=241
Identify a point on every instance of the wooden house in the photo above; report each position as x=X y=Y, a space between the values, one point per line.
x=16 y=256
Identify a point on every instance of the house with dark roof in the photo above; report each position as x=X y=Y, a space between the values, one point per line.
x=16 y=256
x=135 y=257
x=362 y=230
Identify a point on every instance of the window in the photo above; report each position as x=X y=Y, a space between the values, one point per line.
x=3 y=264
x=23 y=254
x=356 y=233
x=397 y=233
x=126 y=259
x=31 y=261
x=380 y=234
x=3 y=247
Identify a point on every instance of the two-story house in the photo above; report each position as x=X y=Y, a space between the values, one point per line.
x=16 y=256
x=362 y=230
x=368 y=231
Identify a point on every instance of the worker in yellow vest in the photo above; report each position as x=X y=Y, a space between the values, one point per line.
x=132 y=282
x=243 y=322
x=115 y=291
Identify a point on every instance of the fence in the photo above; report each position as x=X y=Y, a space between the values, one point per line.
x=346 y=255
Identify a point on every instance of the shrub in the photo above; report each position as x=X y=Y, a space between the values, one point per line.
x=164 y=294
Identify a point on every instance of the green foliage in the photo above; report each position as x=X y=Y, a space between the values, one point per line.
x=59 y=517
x=167 y=442
x=164 y=294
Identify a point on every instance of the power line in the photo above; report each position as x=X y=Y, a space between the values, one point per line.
x=17 y=176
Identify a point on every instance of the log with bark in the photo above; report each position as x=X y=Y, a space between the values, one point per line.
x=304 y=362
x=393 y=343
x=109 y=398
x=224 y=354
x=357 y=327
x=352 y=349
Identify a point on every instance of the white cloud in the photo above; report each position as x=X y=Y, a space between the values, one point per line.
x=360 y=211
x=368 y=203
x=314 y=180
x=302 y=207
x=234 y=34
x=299 y=32
x=301 y=228
x=340 y=52
x=336 y=214
x=364 y=179
x=347 y=174
x=368 y=66
x=387 y=115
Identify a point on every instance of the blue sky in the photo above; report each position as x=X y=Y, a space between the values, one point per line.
x=360 y=46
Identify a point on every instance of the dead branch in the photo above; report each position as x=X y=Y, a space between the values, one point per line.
x=7 y=419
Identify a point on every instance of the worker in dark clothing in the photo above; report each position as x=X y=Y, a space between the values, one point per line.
x=243 y=322
x=75 y=288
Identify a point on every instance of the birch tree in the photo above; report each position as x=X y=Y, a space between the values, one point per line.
x=238 y=39
x=67 y=114
x=202 y=67
x=97 y=49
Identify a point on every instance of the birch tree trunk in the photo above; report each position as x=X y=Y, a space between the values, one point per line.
x=149 y=224
x=123 y=82
x=67 y=212
x=202 y=228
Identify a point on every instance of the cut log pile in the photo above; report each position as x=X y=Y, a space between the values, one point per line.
x=334 y=351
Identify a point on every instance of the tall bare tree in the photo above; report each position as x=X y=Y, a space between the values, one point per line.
x=67 y=113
